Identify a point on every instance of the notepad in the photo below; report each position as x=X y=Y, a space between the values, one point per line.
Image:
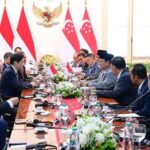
x=132 y=115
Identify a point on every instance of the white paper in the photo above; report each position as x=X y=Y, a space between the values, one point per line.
x=132 y=115
x=29 y=96
x=17 y=146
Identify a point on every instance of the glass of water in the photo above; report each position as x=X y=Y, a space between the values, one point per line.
x=58 y=99
x=93 y=98
x=139 y=134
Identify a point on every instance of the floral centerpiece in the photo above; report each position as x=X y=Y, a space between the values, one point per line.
x=95 y=134
x=68 y=90
x=59 y=77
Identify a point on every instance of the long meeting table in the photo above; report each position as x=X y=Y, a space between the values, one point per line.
x=23 y=134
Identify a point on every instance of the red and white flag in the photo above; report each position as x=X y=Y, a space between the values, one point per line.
x=25 y=34
x=69 y=68
x=88 y=33
x=6 y=30
x=53 y=69
x=70 y=32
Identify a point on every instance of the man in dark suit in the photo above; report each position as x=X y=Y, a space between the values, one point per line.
x=142 y=107
x=22 y=75
x=139 y=78
x=7 y=57
x=3 y=133
x=8 y=112
x=7 y=106
x=81 y=58
x=93 y=66
x=124 y=91
x=10 y=84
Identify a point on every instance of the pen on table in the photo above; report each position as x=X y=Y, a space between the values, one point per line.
x=19 y=143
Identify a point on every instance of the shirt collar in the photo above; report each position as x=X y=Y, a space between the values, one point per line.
x=119 y=74
x=14 y=69
x=140 y=86
x=6 y=64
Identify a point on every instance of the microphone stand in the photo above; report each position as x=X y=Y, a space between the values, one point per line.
x=40 y=146
x=36 y=125
x=128 y=106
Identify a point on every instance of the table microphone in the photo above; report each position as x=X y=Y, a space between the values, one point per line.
x=34 y=125
x=128 y=106
x=44 y=104
x=40 y=146
x=36 y=146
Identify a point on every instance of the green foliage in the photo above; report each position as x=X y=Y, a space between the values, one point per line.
x=147 y=65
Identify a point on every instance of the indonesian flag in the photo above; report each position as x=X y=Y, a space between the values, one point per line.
x=69 y=68
x=25 y=34
x=53 y=69
x=6 y=29
x=70 y=32
x=88 y=33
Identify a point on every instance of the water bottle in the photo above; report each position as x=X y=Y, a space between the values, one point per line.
x=74 y=140
x=128 y=136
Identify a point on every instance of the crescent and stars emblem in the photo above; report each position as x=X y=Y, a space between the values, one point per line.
x=86 y=26
x=68 y=26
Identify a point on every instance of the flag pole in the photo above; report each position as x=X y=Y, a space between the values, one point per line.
x=5 y=1
x=22 y=2
x=68 y=2
x=85 y=3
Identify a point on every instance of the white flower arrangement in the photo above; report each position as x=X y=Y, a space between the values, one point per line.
x=95 y=134
x=68 y=90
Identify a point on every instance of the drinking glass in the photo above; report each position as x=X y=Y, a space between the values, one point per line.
x=64 y=114
x=93 y=98
x=139 y=133
x=58 y=99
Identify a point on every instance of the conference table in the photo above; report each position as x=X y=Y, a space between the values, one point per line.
x=23 y=134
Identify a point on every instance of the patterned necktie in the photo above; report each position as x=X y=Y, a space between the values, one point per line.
x=17 y=76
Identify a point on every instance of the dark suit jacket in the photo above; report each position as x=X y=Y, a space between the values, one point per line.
x=3 y=132
x=5 y=108
x=22 y=75
x=83 y=66
x=142 y=107
x=92 y=70
x=124 y=91
x=4 y=66
x=10 y=86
